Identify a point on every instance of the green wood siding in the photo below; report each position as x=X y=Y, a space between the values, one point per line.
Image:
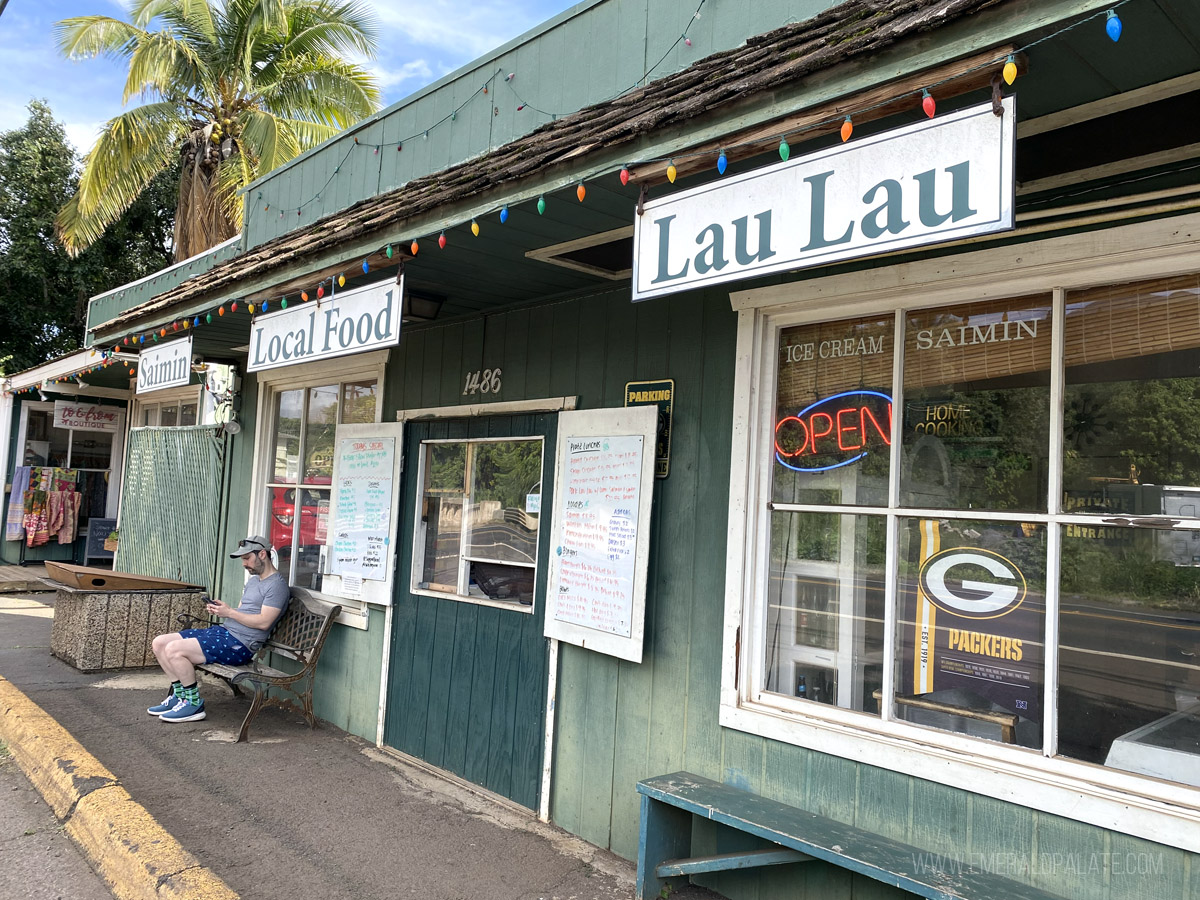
x=467 y=683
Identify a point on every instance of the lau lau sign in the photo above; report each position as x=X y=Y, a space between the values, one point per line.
x=939 y=180
x=164 y=366
x=350 y=322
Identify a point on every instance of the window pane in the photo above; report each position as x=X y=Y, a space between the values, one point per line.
x=1131 y=412
x=282 y=524
x=288 y=412
x=92 y=449
x=503 y=476
x=358 y=402
x=833 y=412
x=169 y=416
x=971 y=626
x=442 y=514
x=824 y=622
x=187 y=414
x=311 y=525
x=149 y=415
x=977 y=406
x=45 y=445
x=319 y=429
x=1129 y=627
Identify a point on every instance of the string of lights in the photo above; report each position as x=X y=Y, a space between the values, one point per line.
x=926 y=96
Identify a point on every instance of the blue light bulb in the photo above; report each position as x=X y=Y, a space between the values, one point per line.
x=1113 y=25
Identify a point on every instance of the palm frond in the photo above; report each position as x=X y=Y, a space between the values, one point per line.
x=269 y=139
x=131 y=149
x=323 y=90
x=84 y=37
x=193 y=18
x=307 y=134
x=332 y=28
x=166 y=65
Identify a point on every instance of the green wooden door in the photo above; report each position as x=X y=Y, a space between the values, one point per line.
x=467 y=682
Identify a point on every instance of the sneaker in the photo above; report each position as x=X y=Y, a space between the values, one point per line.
x=185 y=712
x=166 y=706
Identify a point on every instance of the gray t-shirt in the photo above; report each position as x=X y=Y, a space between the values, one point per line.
x=270 y=591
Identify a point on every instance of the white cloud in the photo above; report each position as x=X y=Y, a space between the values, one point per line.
x=461 y=29
x=82 y=135
x=417 y=70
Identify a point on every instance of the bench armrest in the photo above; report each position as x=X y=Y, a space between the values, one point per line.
x=187 y=620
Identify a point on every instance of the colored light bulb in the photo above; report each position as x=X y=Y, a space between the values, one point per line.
x=1113 y=26
x=413 y=248
x=672 y=172
x=304 y=296
x=250 y=308
x=366 y=267
x=388 y=251
x=442 y=240
x=624 y=176
x=581 y=192
x=1010 y=70
x=196 y=322
x=847 y=129
x=503 y=214
x=722 y=163
x=220 y=310
x=474 y=228
x=233 y=306
x=341 y=281
x=264 y=306
x=541 y=206
x=283 y=303
x=927 y=103
x=320 y=291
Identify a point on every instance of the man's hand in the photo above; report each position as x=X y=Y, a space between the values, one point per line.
x=217 y=608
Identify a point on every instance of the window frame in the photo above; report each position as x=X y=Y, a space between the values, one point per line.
x=418 y=537
x=1111 y=798
x=181 y=396
x=116 y=460
x=271 y=382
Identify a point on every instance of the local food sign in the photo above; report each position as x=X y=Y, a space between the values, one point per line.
x=165 y=366
x=354 y=321
x=939 y=180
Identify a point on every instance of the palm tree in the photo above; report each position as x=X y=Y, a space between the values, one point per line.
x=234 y=88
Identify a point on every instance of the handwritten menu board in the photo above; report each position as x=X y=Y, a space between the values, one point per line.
x=599 y=501
x=604 y=485
x=363 y=496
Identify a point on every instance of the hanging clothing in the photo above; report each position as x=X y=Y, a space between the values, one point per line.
x=14 y=525
x=37 y=530
x=63 y=515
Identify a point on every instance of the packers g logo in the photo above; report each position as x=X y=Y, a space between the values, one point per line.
x=1003 y=592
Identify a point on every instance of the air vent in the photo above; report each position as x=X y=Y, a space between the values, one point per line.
x=609 y=255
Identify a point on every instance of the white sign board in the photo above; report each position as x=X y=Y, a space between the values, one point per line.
x=938 y=180
x=165 y=366
x=87 y=416
x=354 y=321
x=603 y=489
x=361 y=540
x=363 y=489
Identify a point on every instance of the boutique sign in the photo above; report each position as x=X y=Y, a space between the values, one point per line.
x=938 y=180
x=365 y=318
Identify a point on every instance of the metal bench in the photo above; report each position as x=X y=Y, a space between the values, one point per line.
x=665 y=861
x=299 y=634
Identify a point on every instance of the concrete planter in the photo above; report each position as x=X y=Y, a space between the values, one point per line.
x=98 y=630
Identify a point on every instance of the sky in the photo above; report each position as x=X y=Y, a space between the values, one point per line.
x=419 y=42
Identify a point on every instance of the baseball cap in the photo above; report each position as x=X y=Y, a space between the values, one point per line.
x=249 y=545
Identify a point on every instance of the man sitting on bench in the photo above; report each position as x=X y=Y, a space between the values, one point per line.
x=233 y=643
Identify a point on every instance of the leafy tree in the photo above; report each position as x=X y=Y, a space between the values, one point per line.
x=236 y=88
x=43 y=292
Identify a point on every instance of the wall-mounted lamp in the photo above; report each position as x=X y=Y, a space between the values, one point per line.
x=42 y=395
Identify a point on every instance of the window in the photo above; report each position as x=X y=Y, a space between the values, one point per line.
x=478 y=533
x=942 y=554
x=93 y=453
x=304 y=422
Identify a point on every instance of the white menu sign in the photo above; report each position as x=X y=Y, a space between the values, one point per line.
x=604 y=483
x=364 y=508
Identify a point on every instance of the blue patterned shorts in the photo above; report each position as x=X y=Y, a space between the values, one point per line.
x=219 y=645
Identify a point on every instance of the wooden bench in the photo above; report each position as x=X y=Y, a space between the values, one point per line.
x=299 y=634
x=665 y=861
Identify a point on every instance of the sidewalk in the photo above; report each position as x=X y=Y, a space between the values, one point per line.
x=297 y=813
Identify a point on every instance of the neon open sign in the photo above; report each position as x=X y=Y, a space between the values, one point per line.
x=841 y=428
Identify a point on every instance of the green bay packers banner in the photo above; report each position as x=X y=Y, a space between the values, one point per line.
x=974 y=614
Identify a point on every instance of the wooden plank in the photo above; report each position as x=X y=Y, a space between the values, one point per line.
x=664 y=833
x=516 y=346
x=503 y=718
x=723 y=862
x=475 y=765
x=530 y=704
x=866 y=853
x=463 y=683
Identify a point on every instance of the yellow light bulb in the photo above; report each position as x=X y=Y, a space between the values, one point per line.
x=474 y=228
x=1010 y=71
x=672 y=172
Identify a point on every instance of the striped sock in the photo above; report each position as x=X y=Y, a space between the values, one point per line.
x=191 y=693
x=177 y=689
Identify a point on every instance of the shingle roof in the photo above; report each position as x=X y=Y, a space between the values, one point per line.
x=849 y=31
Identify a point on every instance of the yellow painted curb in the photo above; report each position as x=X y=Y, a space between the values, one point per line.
x=137 y=857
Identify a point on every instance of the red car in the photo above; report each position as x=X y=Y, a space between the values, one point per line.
x=313 y=511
